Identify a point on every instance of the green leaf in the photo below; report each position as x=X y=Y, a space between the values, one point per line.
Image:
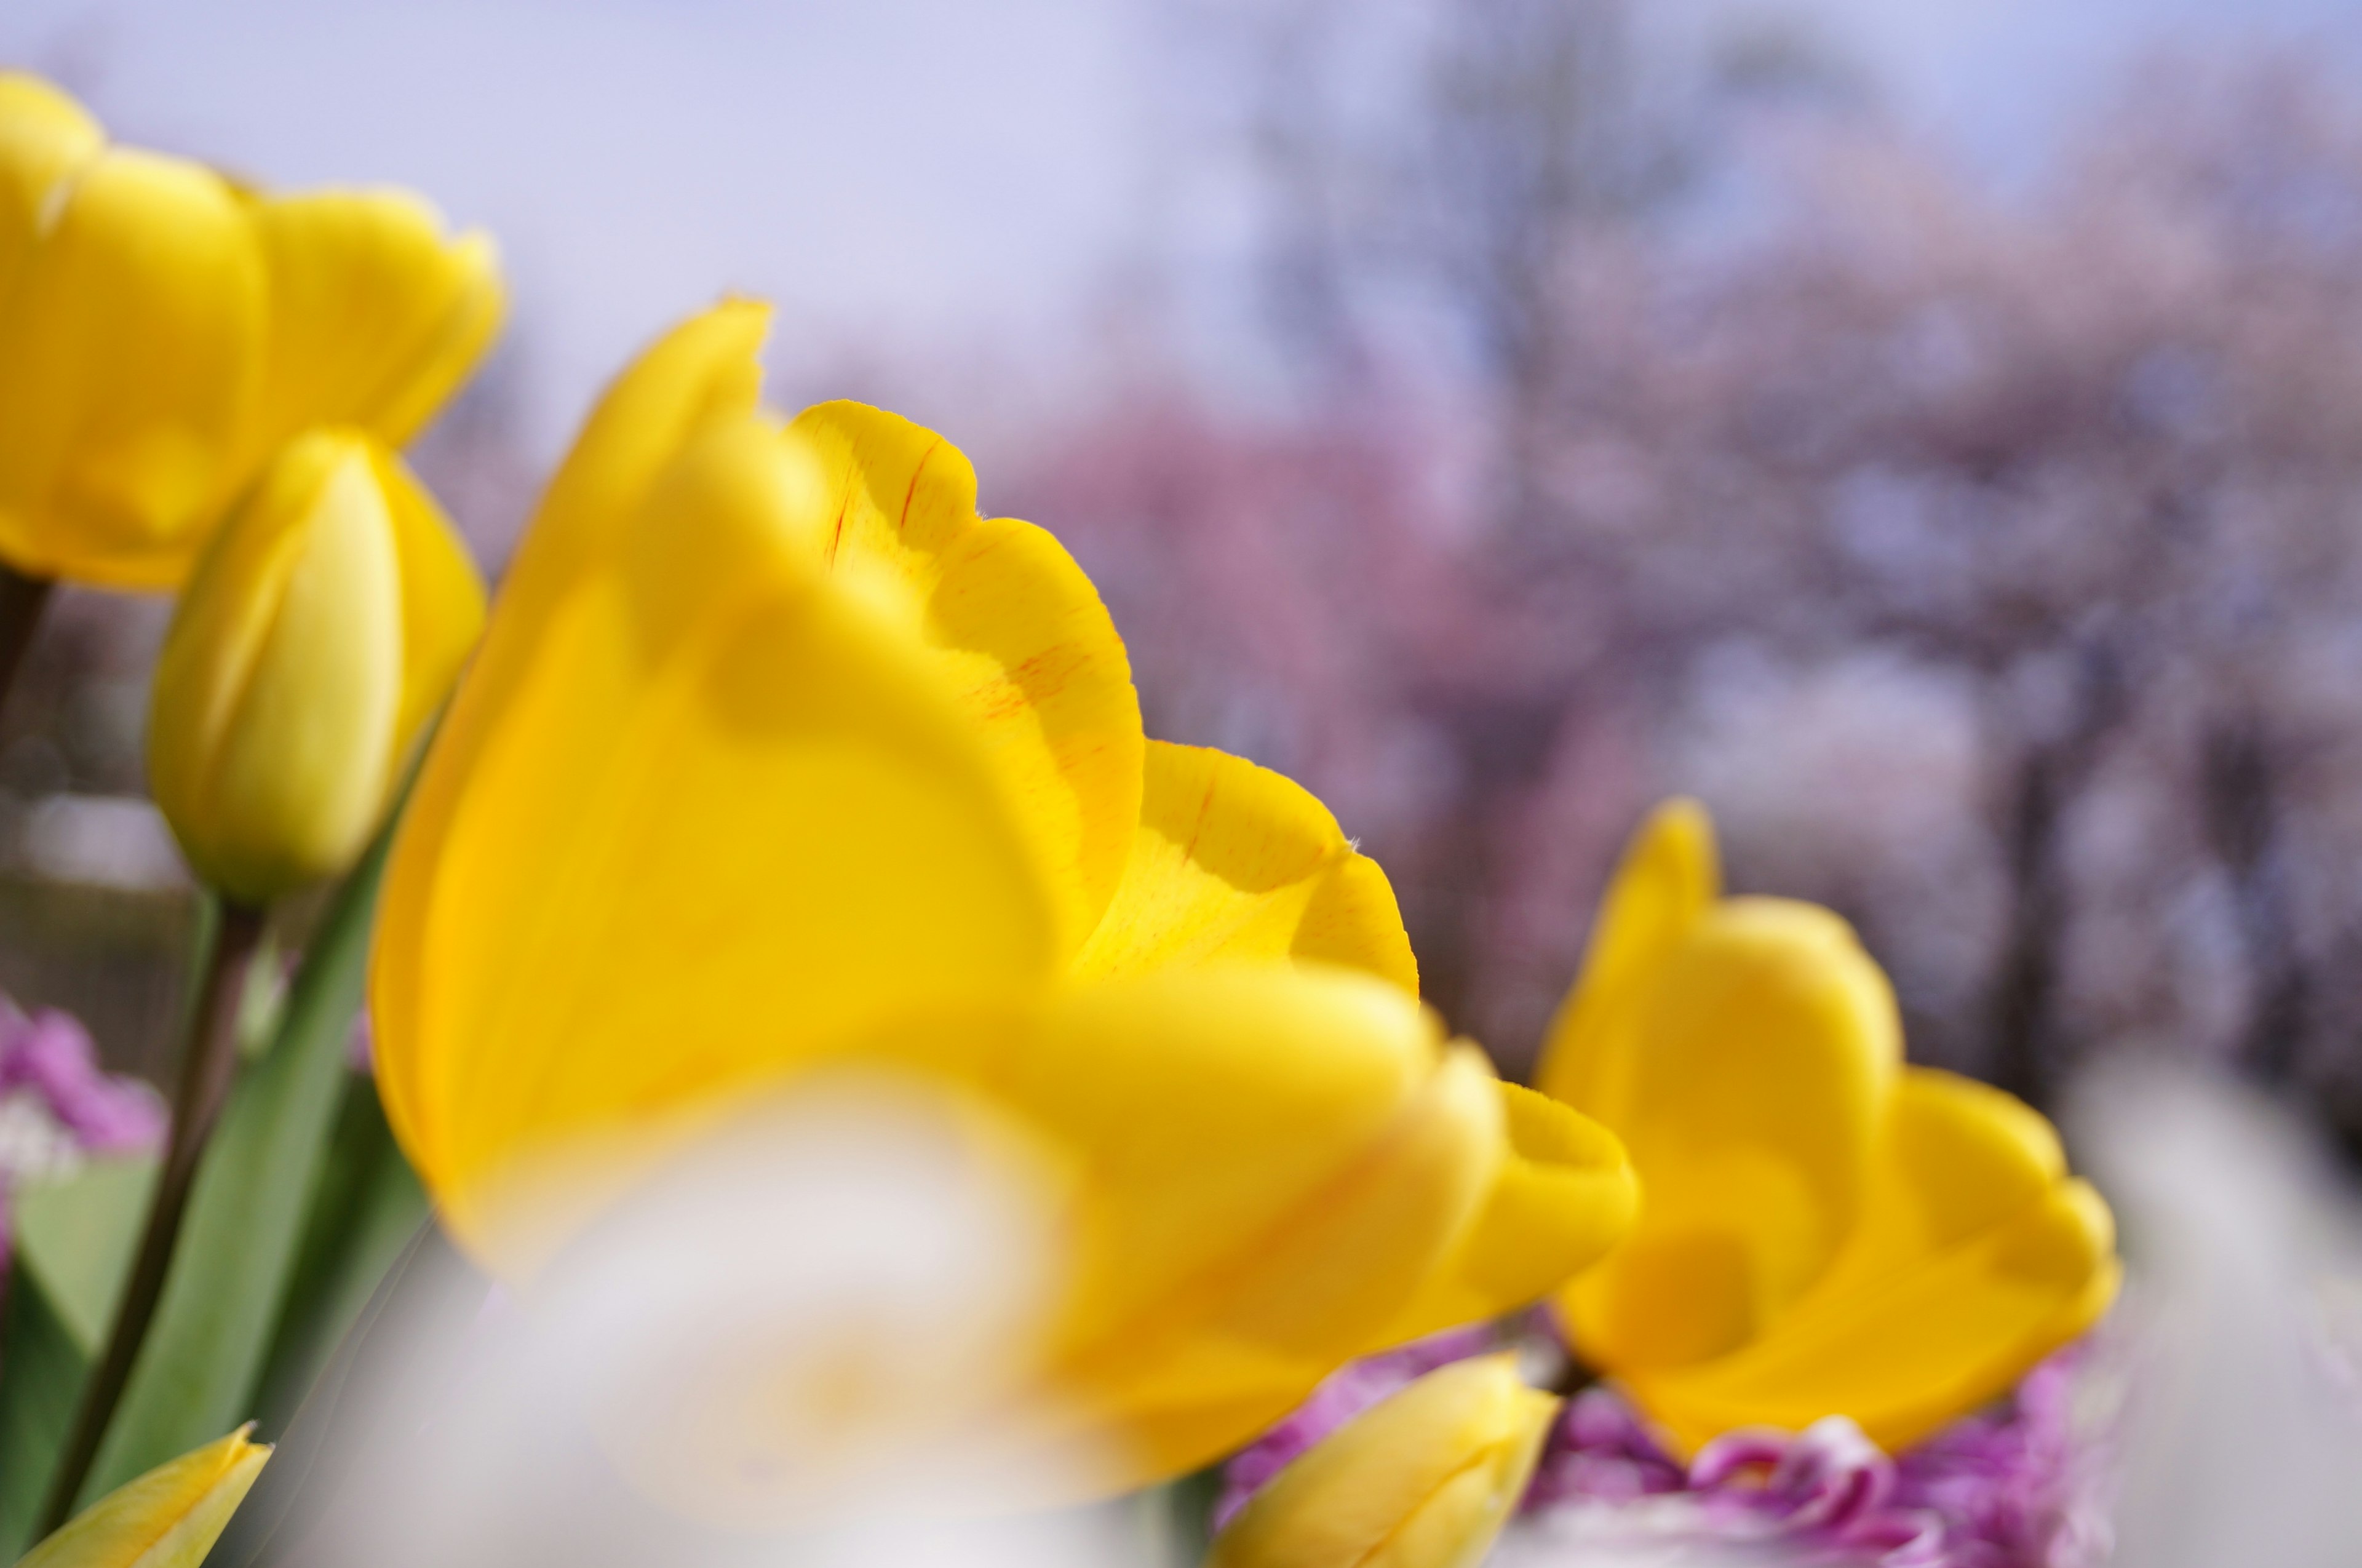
x=196 y=1374
x=367 y=1206
x=41 y=1373
x=79 y=1234
x=73 y=1242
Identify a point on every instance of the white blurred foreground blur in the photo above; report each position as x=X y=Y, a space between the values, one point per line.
x=800 y=1344
x=2242 y=1442
x=779 y=1350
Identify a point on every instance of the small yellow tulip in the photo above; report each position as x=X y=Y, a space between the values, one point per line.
x=168 y=1518
x=1424 y=1479
x=322 y=628
x=163 y=331
x=1826 y=1230
x=778 y=753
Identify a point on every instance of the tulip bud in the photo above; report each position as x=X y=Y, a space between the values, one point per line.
x=1425 y=1480
x=168 y=1518
x=324 y=624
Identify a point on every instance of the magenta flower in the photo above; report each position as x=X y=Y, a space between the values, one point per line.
x=2016 y=1486
x=57 y=1104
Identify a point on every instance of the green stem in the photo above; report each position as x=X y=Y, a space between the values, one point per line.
x=22 y=599
x=207 y=1062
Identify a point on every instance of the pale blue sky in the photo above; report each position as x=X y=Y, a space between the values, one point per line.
x=917 y=171
x=934 y=168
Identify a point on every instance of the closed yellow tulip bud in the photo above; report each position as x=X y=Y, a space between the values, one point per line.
x=322 y=628
x=168 y=1518
x=1828 y=1231
x=164 y=331
x=1425 y=1480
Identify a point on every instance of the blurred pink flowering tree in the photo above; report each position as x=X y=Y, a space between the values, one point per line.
x=1993 y=565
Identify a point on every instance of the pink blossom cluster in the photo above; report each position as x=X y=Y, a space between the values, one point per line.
x=2016 y=1486
x=58 y=1104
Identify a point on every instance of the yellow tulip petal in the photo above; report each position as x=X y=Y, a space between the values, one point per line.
x=1324 y=1279
x=1355 y=919
x=1297 y=1079
x=1764 y=1048
x=726 y=818
x=168 y=1518
x=704 y=370
x=1920 y=1348
x=1973 y=1259
x=45 y=139
x=1564 y=1194
x=1016 y=628
x=129 y=352
x=1260 y=1348
x=375 y=315
x=1665 y=883
x=1234 y=861
x=1425 y=1479
x=467 y=335
x=1956 y=1158
x=1277 y=1315
x=1272 y=1162
x=442 y=597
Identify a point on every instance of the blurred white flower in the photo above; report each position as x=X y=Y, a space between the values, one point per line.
x=743 y=1364
x=2243 y=1443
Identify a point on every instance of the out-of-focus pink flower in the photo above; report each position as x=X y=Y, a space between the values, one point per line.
x=50 y=1057
x=2022 y=1484
x=1827 y=1490
x=57 y=1104
x=1601 y=1451
x=2014 y=1488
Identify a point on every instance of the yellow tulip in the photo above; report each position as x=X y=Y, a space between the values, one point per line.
x=1826 y=1230
x=1424 y=1479
x=776 y=754
x=323 y=626
x=168 y=1518
x=163 y=331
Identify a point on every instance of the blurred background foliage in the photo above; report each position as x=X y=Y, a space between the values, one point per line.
x=1504 y=412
